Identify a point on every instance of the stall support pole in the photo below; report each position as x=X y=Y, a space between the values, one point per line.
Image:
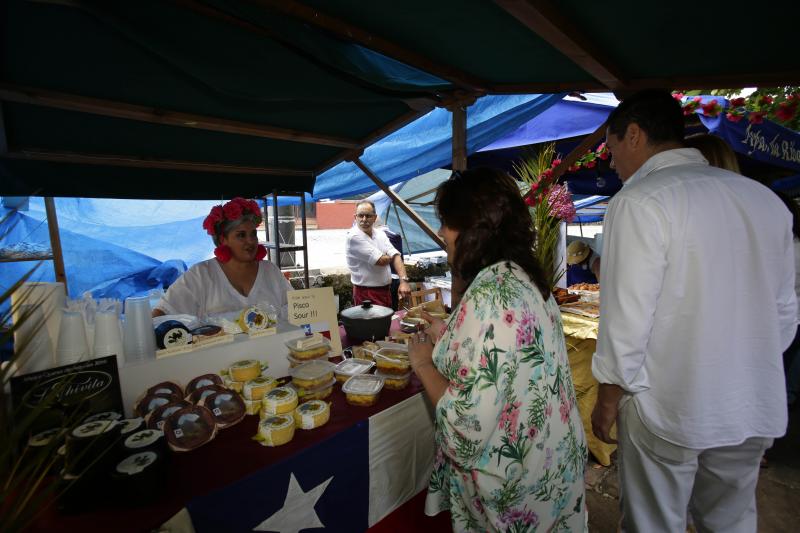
x=459 y=112
x=55 y=241
x=399 y=201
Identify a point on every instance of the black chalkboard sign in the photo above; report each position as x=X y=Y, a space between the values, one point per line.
x=61 y=394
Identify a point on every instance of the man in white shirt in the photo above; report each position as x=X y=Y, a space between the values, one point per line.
x=698 y=305
x=369 y=254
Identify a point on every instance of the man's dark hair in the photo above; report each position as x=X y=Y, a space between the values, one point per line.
x=493 y=222
x=655 y=111
x=366 y=202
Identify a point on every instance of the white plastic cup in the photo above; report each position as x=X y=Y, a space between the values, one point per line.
x=72 y=345
x=139 y=338
x=32 y=345
x=107 y=336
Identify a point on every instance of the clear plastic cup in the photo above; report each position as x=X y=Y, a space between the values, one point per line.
x=107 y=336
x=72 y=345
x=139 y=338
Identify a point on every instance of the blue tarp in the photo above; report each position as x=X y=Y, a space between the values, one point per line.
x=426 y=144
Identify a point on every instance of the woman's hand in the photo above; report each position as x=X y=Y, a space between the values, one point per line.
x=420 y=351
x=436 y=328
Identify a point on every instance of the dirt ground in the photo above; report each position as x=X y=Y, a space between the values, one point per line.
x=778 y=492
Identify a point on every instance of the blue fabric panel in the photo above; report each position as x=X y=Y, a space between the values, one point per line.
x=426 y=143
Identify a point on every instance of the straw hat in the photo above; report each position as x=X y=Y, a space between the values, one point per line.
x=577 y=251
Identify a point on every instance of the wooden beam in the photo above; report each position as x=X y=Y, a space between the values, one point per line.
x=55 y=241
x=108 y=108
x=546 y=20
x=588 y=142
x=32 y=154
x=459 y=113
x=349 y=32
x=377 y=135
x=399 y=201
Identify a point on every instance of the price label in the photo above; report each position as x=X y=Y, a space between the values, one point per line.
x=217 y=411
x=178 y=433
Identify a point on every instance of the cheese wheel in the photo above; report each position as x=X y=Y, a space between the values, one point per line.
x=237 y=386
x=244 y=370
x=278 y=401
x=276 y=430
x=255 y=389
x=312 y=414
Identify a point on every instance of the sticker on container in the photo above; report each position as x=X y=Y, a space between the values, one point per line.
x=143 y=438
x=217 y=411
x=178 y=433
x=136 y=463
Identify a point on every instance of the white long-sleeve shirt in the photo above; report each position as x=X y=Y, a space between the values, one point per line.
x=698 y=301
x=363 y=252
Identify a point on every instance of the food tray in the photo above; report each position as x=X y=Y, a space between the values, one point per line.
x=351 y=367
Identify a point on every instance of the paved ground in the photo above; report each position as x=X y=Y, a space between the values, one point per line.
x=778 y=493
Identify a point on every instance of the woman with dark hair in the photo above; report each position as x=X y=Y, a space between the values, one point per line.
x=236 y=278
x=510 y=447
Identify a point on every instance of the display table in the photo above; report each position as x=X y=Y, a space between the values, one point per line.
x=398 y=454
x=580 y=334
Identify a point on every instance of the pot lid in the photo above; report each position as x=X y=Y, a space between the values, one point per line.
x=367 y=311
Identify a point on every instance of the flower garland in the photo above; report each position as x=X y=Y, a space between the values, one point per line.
x=233 y=210
x=754 y=109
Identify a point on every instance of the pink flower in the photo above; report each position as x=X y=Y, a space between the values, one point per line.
x=697 y=99
x=677 y=96
x=564 y=409
x=734 y=117
x=765 y=99
x=591 y=164
x=476 y=502
x=574 y=168
x=786 y=111
x=756 y=117
x=555 y=163
x=508 y=317
x=548 y=411
x=455 y=346
x=738 y=102
x=462 y=314
x=463 y=372
x=484 y=362
x=530 y=201
x=561 y=205
x=711 y=108
x=532 y=432
x=547 y=174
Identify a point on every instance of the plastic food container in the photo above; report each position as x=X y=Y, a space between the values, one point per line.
x=365 y=351
x=293 y=361
x=278 y=401
x=312 y=414
x=312 y=374
x=392 y=361
x=318 y=393
x=351 y=367
x=395 y=381
x=362 y=390
x=309 y=352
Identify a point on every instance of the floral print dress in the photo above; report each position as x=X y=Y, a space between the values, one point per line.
x=511 y=451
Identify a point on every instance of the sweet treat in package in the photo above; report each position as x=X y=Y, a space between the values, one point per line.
x=276 y=430
x=278 y=401
x=312 y=374
x=362 y=390
x=312 y=414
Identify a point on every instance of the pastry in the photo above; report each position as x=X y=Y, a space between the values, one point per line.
x=312 y=414
x=255 y=389
x=276 y=430
x=278 y=401
x=244 y=370
x=362 y=390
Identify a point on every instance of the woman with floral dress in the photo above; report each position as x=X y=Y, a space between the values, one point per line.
x=510 y=447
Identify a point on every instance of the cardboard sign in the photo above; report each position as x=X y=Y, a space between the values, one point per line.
x=315 y=311
x=87 y=387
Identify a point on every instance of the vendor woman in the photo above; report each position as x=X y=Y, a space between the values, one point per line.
x=237 y=277
x=583 y=265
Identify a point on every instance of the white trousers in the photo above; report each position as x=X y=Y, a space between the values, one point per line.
x=658 y=480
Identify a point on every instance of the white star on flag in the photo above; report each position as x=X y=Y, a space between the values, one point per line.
x=297 y=512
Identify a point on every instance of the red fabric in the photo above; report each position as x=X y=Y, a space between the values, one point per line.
x=231 y=456
x=378 y=295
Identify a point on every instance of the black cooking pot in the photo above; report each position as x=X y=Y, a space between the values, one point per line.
x=366 y=322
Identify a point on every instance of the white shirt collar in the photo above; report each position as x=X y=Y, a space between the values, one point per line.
x=667 y=158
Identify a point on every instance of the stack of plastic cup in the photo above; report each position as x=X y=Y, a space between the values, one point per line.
x=72 y=345
x=107 y=336
x=32 y=345
x=139 y=338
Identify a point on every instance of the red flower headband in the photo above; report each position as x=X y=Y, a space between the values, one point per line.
x=233 y=210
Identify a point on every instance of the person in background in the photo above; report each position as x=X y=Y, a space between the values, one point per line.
x=717 y=152
x=583 y=265
x=688 y=354
x=510 y=447
x=237 y=277
x=369 y=254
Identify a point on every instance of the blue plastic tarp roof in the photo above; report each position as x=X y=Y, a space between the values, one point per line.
x=426 y=144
